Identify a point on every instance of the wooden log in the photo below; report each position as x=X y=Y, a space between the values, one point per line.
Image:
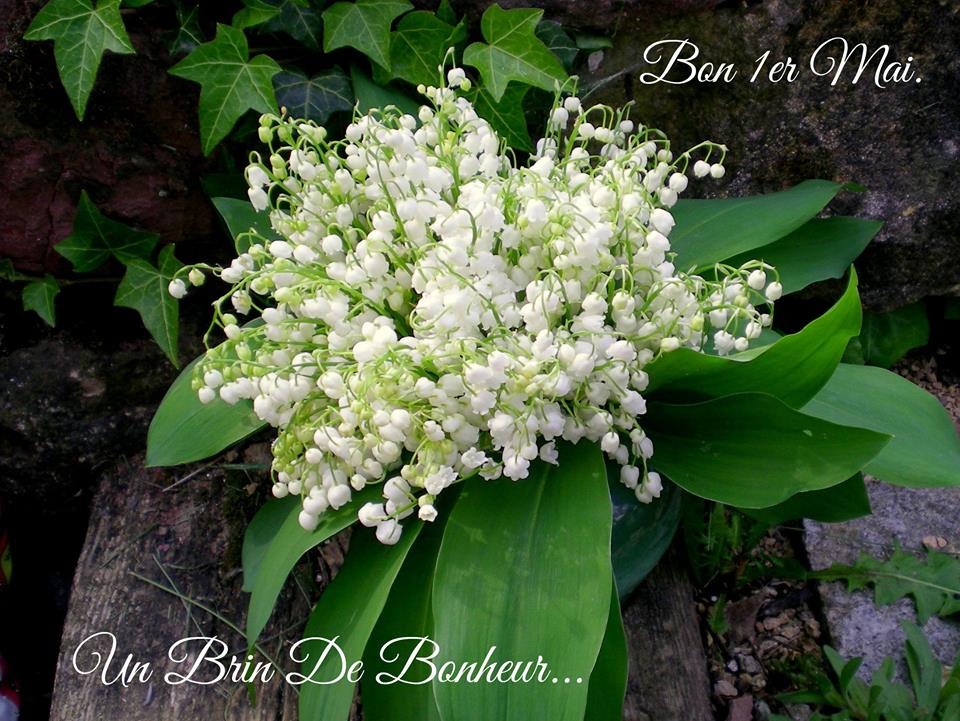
x=668 y=668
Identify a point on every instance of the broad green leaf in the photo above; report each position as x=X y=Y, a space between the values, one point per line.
x=406 y=615
x=231 y=83
x=932 y=582
x=641 y=531
x=793 y=369
x=886 y=337
x=7 y=271
x=419 y=46
x=184 y=430
x=144 y=289
x=39 y=296
x=817 y=250
x=286 y=548
x=347 y=613
x=316 y=98
x=364 y=25
x=752 y=450
x=560 y=43
x=591 y=41
x=925 y=450
x=189 y=35
x=253 y=13
x=261 y=532
x=710 y=231
x=241 y=218
x=608 y=682
x=838 y=503
x=298 y=19
x=95 y=238
x=506 y=115
x=513 y=52
x=81 y=33
x=536 y=582
x=371 y=96
x=446 y=13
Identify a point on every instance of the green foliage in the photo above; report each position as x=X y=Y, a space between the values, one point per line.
x=184 y=430
x=38 y=296
x=368 y=574
x=711 y=231
x=243 y=221
x=933 y=583
x=81 y=33
x=316 y=98
x=608 y=682
x=420 y=44
x=506 y=115
x=189 y=35
x=299 y=19
x=932 y=696
x=506 y=584
x=817 y=250
x=364 y=25
x=560 y=43
x=886 y=337
x=372 y=95
x=144 y=289
x=717 y=539
x=925 y=449
x=230 y=83
x=838 y=503
x=95 y=239
x=513 y=52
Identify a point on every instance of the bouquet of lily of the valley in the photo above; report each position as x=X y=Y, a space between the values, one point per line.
x=480 y=359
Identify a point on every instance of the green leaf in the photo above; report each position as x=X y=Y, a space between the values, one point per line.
x=347 y=612
x=189 y=35
x=886 y=337
x=753 y=451
x=184 y=430
x=513 y=52
x=792 y=369
x=562 y=45
x=925 y=450
x=81 y=33
x=591 y=41
x=7 y=271
x=419 y=46
x=284 y=551
x=261 y=532
x=95 y=238
x=817 y=250
x=933 y=583
x=231 y=83
x=506 y=115
x=642 y=532
x=446 y=13
x=253 y=13
x=316 y=98
x=372 y=96
x=608 y=682
x=406 y=615
x=842 y=502
x=710 y=231
x=535 y=583
x=39 y=295
x=242 y=219
x=926 y=673
x=298 y=19
x=364 y=25
x=144 y=289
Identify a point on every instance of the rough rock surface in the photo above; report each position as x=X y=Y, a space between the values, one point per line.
x=137 y=153
x=901 y=142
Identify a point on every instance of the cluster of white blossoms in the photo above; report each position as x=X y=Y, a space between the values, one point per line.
x=433 y=311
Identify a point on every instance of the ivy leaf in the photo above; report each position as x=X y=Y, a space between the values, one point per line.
x=364 y=25
x=144 y=289
x=253 y=13
x=96 y=238
x=298 y=19
x=560 y=44
x=39 y=295
x=506 y=115
x=513 y=52
x=315 y=98
x=446 y=12
x=189 y=35
x=230 y=82
x=933 y=583
x=419 y=46
x=81 y=33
